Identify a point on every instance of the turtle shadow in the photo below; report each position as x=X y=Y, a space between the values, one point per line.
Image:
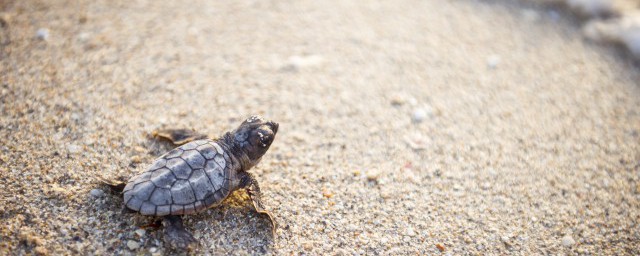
x=232 y=227
x=117 y=222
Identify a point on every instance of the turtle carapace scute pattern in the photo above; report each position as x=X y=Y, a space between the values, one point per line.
x=185 y=180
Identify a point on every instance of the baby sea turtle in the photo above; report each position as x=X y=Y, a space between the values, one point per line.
x=200 y=174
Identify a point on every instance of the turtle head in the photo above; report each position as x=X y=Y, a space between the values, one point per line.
x=254 y=136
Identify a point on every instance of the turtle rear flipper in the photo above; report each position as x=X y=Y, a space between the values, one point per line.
x=115 y=186
x=178 y=136
x=257 y=205
x=176 y=235
x=248 y=182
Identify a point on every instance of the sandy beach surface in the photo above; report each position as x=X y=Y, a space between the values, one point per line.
x=406 y=127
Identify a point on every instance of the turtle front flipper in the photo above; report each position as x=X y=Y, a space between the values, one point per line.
x=116 y=186
x=257 y=204
x=176 y=235
x=253 y=189
x=178 y=136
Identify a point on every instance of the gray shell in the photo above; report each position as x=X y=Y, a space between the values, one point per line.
x=185 y=180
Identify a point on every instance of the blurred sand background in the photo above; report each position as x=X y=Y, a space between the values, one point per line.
x=406 y=127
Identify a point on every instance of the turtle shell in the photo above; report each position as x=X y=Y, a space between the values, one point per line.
x=185 y=180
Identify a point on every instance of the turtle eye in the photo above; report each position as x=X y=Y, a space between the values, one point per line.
x=241 y=136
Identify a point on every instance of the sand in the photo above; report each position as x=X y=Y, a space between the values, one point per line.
x=406 y=127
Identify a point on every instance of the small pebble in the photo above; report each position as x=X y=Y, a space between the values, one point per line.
x=568 y=241
x=42 y=34
x=153 y=249
x=297 y=62
x=299 y=136
x=136 y=159
x=40 y=250
x=58 y=136
x=308 y=246
x=140 y=232
x=440 y=247
x=493 y=61
x=417 y=141
x=327 y=194
x=373 y=175
x=72 y=148
x=5 y=19
x=133 y=245
x=342 y=252
x=418 y=115
x=410 y=232
x=506 y=241
x=97 y=192
x=397 y=100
